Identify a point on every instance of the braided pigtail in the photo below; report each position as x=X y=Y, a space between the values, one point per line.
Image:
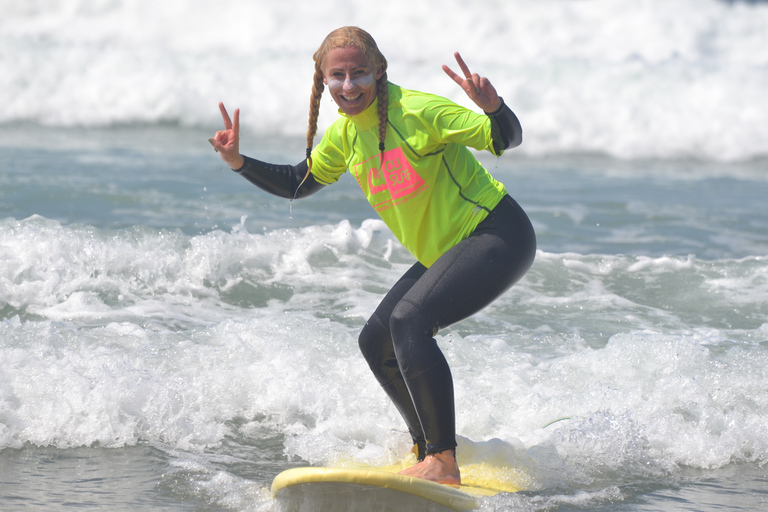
x=382 y=92
x=314 y=112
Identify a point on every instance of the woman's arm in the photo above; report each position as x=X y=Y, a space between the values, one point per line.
x=506 y=131
x=290 y=181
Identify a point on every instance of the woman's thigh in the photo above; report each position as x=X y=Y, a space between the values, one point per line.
x=476 y=271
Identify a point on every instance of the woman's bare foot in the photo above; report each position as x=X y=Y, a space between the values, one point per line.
x=440 y=467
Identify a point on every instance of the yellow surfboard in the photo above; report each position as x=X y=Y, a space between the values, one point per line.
x=336 y=489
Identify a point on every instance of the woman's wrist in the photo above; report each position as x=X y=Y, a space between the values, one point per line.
x=236 y=163
x=495 y=111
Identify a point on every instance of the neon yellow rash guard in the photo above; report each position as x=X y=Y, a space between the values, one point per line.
x=429 y=189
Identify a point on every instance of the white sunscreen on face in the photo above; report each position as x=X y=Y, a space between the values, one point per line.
x=347 y=83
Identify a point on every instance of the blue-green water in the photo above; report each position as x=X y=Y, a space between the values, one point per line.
x=172 y=337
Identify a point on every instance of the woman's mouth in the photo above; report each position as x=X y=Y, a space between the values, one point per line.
x=351 y=99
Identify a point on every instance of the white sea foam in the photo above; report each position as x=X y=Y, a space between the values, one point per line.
x=116 y=338
x=631 y=79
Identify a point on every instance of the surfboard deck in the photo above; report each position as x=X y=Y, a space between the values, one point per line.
x=320 y=485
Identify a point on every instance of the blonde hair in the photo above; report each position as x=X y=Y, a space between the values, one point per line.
x=341 y=38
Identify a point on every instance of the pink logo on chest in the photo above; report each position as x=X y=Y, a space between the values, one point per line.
x=395 y=181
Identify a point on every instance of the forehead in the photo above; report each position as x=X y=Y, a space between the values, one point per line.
x=345 y=58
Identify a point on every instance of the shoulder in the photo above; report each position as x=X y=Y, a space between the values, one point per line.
x=432 y=109
x=418 y=108
x=416 y=100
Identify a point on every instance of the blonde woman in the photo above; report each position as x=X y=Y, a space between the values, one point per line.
x=409 y=152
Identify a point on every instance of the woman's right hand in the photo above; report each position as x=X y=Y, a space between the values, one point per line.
x=227 y=141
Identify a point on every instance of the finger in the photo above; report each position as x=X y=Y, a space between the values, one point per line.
x=462 y=65
x=474 y=83
x=220 y=140
x=478 y=81
x=225 y=116
x=486 y=87
x=236 y=127
x=456 y=78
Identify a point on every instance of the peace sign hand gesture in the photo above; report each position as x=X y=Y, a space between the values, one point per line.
x=479 y=89
x=227 y=142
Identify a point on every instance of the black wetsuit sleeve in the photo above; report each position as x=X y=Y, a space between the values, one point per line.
x=506 y=131
x=280 y=180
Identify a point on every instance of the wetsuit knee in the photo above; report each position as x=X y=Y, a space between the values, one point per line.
x=370 y=338
x=376 y=346
x=412 y=336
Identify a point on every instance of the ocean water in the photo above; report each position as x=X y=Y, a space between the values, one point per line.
x=171 y=337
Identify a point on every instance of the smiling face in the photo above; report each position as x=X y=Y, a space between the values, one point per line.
x=350 y=79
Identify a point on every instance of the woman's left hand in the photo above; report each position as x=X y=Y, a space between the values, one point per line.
x=479 y=89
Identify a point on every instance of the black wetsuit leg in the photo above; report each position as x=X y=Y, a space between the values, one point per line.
x=460 y=283
x=375 y=343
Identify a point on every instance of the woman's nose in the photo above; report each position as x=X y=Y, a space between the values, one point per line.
x=348 y=84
